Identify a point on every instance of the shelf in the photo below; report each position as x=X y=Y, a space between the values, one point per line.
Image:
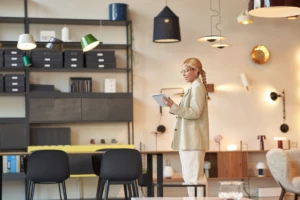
x=77 y=121
x=118 y=70
x=12 y=69
x=78 y=95
x=87 y=22
x=13 y=176
x=12 y=120
x=67 y=45
x=12 y=94
x=18 y=20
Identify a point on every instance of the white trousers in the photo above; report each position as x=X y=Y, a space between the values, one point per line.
x=192 y=163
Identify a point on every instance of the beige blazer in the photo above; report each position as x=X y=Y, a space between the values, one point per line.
x=191 y=129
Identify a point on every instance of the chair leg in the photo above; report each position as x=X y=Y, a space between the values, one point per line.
x=98 y=188
x=125 y=192
x=99 y=197
x=106 y=190
x=135 y=189
x=32 y=190
x=59 y=191
x=296 y=197
x=129 y=190
x=64 y=190
x=282 y=193
x=28 y=190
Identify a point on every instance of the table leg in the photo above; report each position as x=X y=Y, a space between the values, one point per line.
x=1 y=171
x=160 y=180
x=149 y=175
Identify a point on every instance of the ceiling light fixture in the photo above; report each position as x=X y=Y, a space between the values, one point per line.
x=211 y=37
x=292 y=17
x=245 y=18
x=166 y=27
x=220 y=45
x=273 y=8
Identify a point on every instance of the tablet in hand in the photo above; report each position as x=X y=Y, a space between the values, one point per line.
x=158 y=99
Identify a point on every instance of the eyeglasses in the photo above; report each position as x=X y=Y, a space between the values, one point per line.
x=184 y=71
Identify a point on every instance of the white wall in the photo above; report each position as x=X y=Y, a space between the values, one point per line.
x=234 y=113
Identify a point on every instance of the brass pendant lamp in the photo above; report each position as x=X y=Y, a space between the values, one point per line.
x=211 y=37
x=274 y=8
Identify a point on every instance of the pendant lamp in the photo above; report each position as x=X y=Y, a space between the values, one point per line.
x=274 y=8
x=88 y=42
x=26 y=42
x=166 y=27
x=55 y=44
x=211 y=37
x=245 y=18
x=219 y=45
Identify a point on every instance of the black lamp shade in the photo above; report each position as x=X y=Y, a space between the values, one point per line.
x=166 y=27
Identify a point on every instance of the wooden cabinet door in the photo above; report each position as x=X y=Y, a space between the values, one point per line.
x=67 y=109
x=41 y=109
x=13 y=136
x=232 y=164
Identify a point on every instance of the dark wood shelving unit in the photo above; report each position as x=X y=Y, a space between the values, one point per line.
x=12 y=94
x=78 y=95
x=12 y=120
x=13 y=176
x=78 y=121
x=85 y=22
x=118 y=70
x=12 y=69
x=18 y=20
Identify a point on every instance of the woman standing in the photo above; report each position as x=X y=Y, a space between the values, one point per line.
x=191 y=136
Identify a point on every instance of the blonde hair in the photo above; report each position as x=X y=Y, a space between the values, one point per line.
x=196 y=64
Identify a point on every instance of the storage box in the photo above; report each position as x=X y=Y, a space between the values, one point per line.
x=100 y=54
x=73 y=59
x=13 y=64
x=13 y=51
x=110 y=85
x=73 y=64
x=100 y=60
x=14 y=77
x=48 y=59
x=45 y=53
x=44 y=64
x=101 y=65
x=13 y=83
x=73 y=53
x=41 y=88
x=13 y=58
x=15 y=89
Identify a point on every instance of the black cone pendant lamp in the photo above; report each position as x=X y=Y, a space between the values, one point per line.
x=166 y=27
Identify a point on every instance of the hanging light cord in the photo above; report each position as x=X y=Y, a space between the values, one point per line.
x=212 y=16
x=220 y=22
x=166 y=2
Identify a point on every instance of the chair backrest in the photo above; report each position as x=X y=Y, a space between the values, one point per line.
x=96 y=161
x=121 y=165
x=48 y=166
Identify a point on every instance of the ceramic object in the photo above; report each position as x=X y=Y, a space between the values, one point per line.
x=168 y=170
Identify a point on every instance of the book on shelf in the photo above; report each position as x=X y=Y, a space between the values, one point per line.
x=13 y=164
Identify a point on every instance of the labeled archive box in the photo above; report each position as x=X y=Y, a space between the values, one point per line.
x=14 y=83
x=46 y=58
x=100 y=59
x=110 y=85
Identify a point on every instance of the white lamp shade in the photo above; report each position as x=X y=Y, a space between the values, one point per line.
x=232 y=147
x=279 y=138
x=245 y=18
x=260 y=165
x=26 y=42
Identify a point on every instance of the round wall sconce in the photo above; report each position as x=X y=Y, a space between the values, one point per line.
x=274 y=96
x=260 y=54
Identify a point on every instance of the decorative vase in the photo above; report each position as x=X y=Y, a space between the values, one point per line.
x=231 y=190
x=168 y=170
x=117 y=11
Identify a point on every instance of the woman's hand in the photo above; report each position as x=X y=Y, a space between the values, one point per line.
x=168 y=101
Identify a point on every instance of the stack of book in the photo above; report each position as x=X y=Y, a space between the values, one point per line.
x=80 y=84
x=13 y=164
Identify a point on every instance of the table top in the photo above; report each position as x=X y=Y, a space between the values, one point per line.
x=179 y=198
